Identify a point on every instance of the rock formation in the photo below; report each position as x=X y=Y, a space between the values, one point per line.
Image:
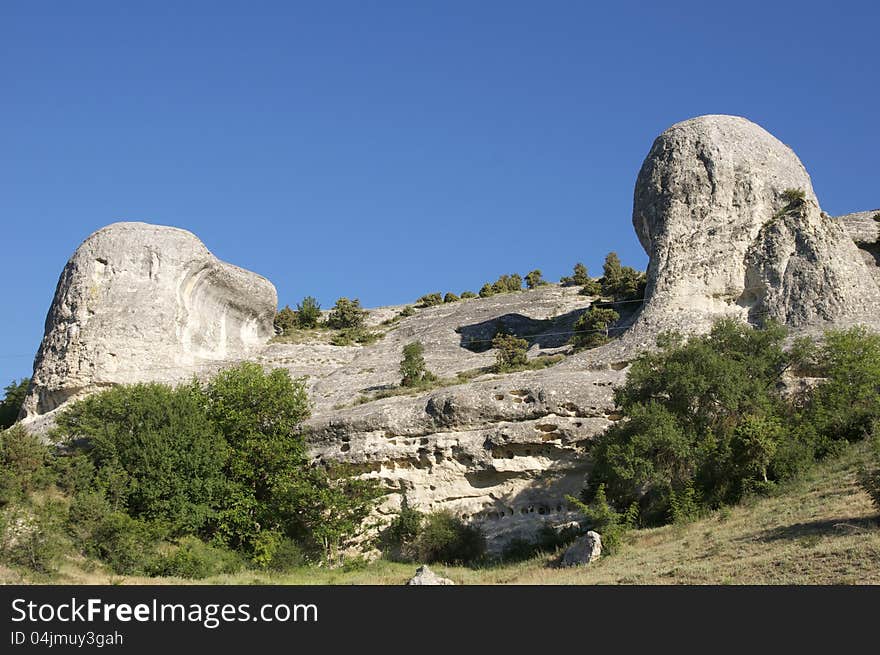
x=139 y=302
x=714 y=209
x=725 y=211
x=585 y=550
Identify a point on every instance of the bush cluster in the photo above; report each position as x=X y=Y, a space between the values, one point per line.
x=705 y=425
x=593 y=327
x=187 y=481
x=510 y=352
x=10 y=406
x=436 y=537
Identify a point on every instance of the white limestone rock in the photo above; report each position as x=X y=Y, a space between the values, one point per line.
x=139 y=302
x=710 y=210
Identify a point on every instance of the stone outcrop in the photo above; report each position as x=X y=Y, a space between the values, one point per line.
x=585 y=550
x=139 y=302
x=426 y=577
x=724 y=239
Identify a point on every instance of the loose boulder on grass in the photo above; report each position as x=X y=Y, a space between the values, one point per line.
x=584 y=551
x=426 y=577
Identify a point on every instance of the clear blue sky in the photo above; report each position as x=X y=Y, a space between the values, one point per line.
x=383 y=150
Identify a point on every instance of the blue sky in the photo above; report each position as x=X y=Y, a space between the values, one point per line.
x=383 y=150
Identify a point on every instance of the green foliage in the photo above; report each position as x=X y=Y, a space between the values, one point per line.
x=794 y=197
x=126 y=544
x=285 y=321
x=10 y=406
x=430 y=300
x=487 y=290
x=848 y=402
x=510 y=352
x=579 y=278
x=412 y=367
x=535 y=279
x=450 y=297
x=547 y=540
x=446 y=538
x=155 y=451
x=601 y=517
x=407 y=311
x=23 y=459
x=508 y=283
x=347 y=314
x=351 y=336
x=259 y=414
x=193 y=559
x=398 y=540
x=702 y=413
x=308 y=313
x=593 y=328
x=30 y=536
x=468 y=294
x=621 y=282
x=684 y=504
x=429 y=538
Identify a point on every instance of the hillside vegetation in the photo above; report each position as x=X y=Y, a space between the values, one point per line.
x=821 y=529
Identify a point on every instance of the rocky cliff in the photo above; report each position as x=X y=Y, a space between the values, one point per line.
x=139 y=302
x=725 y=211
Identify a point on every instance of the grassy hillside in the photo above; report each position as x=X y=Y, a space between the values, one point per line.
x=821 y=529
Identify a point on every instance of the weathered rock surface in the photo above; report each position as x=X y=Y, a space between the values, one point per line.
x=139 y=302
x=864 y=229
x=710 y=209
x=585 y=550
x=426 y=577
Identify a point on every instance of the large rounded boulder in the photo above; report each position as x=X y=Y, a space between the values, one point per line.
x=139 y=302
x=729 y=218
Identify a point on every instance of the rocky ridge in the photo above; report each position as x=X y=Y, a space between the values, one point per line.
x=725 y=237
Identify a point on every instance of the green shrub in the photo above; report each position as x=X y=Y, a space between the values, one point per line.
x=510 y=352
x=601 y=517
x=430 y=300
x=31 y=536
x=23 y=464
x=156 y=452
x=535 y=279
x=507 y=284
x=450 y=297
x=288 y=555
x=621 y=282
x=487 y=290
x=468 y=294
x=847 y=403
x=87 y=512
x=447 y=539
x=705 y=413
x=347 y=314
x=10 y=406
x=580 y=277
x=193 y=559
x=127 y=545
x=351 y=336
x=398 y=541
x=308 y=313
x=593 y=328
x=407 y=311
x=794 y=197
x=285 y=320
x=412 y=367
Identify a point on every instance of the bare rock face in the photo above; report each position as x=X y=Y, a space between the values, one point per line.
x=139 y=302
x=724 y=238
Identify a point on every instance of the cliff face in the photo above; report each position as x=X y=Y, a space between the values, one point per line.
x=711 y=207
x=139 y=302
